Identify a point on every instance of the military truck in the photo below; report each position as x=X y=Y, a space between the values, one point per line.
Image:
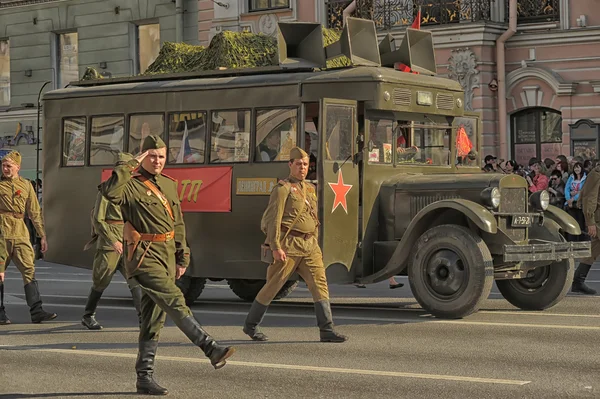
x=398 y=173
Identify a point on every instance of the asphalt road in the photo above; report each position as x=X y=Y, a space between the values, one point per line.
x=395 y=349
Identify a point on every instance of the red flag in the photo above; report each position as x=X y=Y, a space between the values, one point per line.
x=463 y=143
x=415 y=25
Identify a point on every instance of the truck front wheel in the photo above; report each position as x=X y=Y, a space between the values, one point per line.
x=543 y=288
x=451 y=271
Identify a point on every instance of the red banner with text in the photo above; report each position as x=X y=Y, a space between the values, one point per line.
x=200 y=189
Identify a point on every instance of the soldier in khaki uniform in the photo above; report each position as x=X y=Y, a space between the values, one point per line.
x=107 y=223
x=17 y=199
x=291 y=225
x=590 y=197
x=156 y=255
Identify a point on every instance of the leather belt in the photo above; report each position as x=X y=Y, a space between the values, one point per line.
x=114 y=222
x=158 y=237
x=13 y=214
x=296 y=233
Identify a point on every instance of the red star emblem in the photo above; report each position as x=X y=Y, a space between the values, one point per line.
x=340 y=190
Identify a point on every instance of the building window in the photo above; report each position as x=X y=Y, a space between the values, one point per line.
x=141 y=126
x=276 y=131
x=4 y=73
x=148 y=44
x=230 y=137
x=187 y=135
x=74 y=142
x=536 y=133
x=68 y=60
x=259 y=5
x=106 y=139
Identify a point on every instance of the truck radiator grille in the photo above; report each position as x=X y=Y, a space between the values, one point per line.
x=513 y=200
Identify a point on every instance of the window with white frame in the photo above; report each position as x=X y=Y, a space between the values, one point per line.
x=4 y=72
x=68 y=58
x=260 y=5
x=148 y=45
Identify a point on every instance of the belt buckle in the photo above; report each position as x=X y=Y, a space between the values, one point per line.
x=168 y=236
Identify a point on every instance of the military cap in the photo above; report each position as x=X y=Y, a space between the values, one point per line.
x=298 y=153
x=153 y=142
x=13 y=156
x=123 y=157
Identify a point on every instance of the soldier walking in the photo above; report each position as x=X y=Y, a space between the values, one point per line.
x=291 y=225
x=156 y=255
x=107 y=223
x=590 y=197
x=17 y=199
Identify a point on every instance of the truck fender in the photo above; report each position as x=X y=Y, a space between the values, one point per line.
x=566 y=222
x=478 y=214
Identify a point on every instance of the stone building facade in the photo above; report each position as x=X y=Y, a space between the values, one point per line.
x=55 y=40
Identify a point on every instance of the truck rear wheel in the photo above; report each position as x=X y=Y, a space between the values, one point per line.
x=545 y=287
x=451 y=271
x=191 y=287
x=249 y=289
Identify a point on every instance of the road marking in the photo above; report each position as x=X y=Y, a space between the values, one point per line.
x=423 y=318
x=333 y=370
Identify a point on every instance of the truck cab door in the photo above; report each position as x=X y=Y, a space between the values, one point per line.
x=338 y=178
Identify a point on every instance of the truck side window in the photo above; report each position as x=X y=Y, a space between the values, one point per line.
x=230 y=136
x=382 y=137
x=276 y=132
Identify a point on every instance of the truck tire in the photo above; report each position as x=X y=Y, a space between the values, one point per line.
x=249 y=289
x=451 y=271
x=191 y=287
x=545 y=288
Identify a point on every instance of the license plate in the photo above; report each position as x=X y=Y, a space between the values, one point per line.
x=522 y=221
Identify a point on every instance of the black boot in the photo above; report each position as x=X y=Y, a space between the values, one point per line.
x=32 y=295
x=144 y=368
x=254 y=318
x=578 y=281
x=136 y=294
x=89 y=317
x=325 y=323
x=3 y=317
x=217 y=354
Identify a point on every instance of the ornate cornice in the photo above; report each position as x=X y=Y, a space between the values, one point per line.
x=560 y=87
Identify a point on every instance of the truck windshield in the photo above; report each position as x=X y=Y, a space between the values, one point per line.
x=424 y=144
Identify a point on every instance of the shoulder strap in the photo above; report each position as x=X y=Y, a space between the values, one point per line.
x=297 y=216
x=160 y=195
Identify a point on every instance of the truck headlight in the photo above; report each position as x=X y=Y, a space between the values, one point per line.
x=491 y=197
x=540 y=200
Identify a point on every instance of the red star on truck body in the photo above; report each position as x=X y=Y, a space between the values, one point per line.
x=340 y=190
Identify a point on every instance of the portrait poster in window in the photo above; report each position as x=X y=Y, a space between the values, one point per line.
x=242 y=145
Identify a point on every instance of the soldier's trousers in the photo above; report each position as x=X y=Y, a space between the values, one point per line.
x=160 y=297
x=21 y=252
x=595 y=243
x=309 y=267
x=106 y=262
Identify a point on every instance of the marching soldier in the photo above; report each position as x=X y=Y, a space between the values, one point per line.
x=156 y=255
x=17 y=199
x=107 y=223
x=590 y=196
x=291 y=225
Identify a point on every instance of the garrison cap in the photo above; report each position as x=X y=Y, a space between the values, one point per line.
x=153 y=142
x=123 y=157
x=13 y=156
x=298 y=153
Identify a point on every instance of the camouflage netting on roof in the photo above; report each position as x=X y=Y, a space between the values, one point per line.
x=229 y=50
x=176 y=57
